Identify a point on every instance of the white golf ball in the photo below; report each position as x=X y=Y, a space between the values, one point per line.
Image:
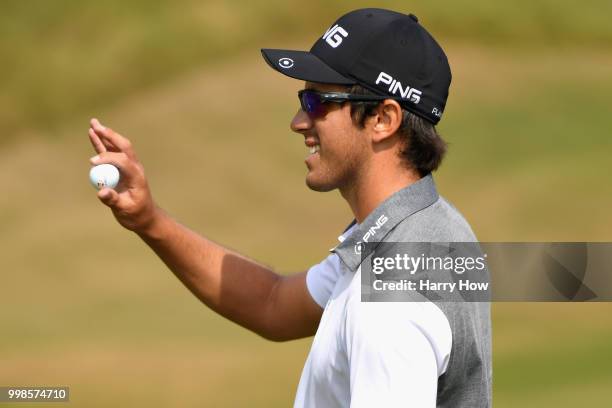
x=104 y=175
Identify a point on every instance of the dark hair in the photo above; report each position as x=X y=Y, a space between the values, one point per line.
x=423 y=148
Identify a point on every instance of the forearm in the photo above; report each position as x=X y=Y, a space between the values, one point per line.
x=250 y=294
x=235 y=287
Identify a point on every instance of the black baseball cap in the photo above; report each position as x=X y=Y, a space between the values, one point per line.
x=387 y=52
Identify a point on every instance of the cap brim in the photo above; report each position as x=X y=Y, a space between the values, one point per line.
x=303 y=65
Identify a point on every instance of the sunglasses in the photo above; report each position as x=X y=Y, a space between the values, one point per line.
x=313 y=102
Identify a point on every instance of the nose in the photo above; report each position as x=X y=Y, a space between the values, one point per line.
x=301 y=122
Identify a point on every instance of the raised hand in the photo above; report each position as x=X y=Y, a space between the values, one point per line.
x=131 y=201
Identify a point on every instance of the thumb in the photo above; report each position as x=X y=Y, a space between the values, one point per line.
x=108 y=196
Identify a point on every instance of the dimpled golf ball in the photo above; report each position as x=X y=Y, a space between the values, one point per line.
x=104 y=175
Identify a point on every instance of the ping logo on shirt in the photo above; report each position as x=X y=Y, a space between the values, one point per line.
x=335 y=35
x=371 y=232
x=412 y=94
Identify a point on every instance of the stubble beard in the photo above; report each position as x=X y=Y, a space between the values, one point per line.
x=330 y=176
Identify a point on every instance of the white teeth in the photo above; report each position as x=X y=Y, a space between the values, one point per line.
x=314 y=149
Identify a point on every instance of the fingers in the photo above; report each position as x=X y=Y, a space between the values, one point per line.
x=111 y=140
x=127 y=166
x=96 y=142
x=109 y=197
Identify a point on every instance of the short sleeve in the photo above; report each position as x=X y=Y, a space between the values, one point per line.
x=321 y=279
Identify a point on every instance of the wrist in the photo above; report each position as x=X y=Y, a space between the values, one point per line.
x=153 y=228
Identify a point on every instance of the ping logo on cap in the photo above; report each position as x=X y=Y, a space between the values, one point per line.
x=412 y=94
x=335 y=35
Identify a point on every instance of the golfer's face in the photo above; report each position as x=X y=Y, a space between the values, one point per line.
x=332 y=141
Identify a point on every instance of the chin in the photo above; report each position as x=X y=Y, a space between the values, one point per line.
x=319 y=184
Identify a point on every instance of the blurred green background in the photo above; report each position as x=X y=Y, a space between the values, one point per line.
x=84 y=303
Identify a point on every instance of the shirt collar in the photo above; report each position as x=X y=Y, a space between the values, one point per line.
x=384 y=218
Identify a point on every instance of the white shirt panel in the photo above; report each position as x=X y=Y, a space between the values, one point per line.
x=374 y=354
x=322 y=277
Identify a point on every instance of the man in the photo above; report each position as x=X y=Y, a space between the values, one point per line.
x=376 y=84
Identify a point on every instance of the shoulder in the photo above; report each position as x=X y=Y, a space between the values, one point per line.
x=439 y=222
x=322 y=277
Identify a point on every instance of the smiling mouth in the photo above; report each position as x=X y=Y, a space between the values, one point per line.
x=314 y=149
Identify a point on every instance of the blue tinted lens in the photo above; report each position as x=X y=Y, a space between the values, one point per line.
x=311 y=103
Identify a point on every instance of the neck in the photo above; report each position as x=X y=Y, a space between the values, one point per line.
x=365 y=195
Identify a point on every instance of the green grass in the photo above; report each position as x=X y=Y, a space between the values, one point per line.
x=86 y=304
x=552 y=354
x=66 y=57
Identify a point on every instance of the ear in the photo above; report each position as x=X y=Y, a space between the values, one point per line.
x=386 y=121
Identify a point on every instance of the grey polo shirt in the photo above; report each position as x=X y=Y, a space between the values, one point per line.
x=421 y=354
